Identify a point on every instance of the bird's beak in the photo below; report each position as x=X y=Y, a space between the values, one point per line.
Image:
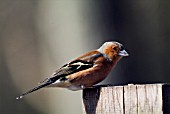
x=123 y=53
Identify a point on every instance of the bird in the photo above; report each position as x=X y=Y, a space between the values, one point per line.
x=86 y=70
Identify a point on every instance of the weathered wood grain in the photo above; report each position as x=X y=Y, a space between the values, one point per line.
x=96 y=101
x=149 y=99
x=128 y=99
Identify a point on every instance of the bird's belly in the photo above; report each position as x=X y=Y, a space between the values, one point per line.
x=75 y=87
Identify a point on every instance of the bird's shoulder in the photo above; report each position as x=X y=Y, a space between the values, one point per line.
x=90 y=56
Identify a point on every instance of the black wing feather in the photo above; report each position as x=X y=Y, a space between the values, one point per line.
x=71 y=68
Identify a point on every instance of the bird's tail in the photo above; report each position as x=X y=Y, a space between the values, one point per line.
x=36 y=88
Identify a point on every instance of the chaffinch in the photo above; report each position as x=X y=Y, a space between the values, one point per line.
x=85 y=71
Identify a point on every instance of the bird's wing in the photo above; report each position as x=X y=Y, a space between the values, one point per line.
x=70 y=68
x=82 y=63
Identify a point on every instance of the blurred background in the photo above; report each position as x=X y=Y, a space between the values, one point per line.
x=39 y=36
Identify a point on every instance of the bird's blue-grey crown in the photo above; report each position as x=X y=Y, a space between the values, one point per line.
x=122 y=51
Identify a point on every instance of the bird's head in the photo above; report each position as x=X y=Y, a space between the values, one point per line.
x=113 y=50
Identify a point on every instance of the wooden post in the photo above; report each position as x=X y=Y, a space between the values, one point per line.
x=128 y=99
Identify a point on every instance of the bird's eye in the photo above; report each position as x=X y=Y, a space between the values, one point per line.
x=115 y=48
